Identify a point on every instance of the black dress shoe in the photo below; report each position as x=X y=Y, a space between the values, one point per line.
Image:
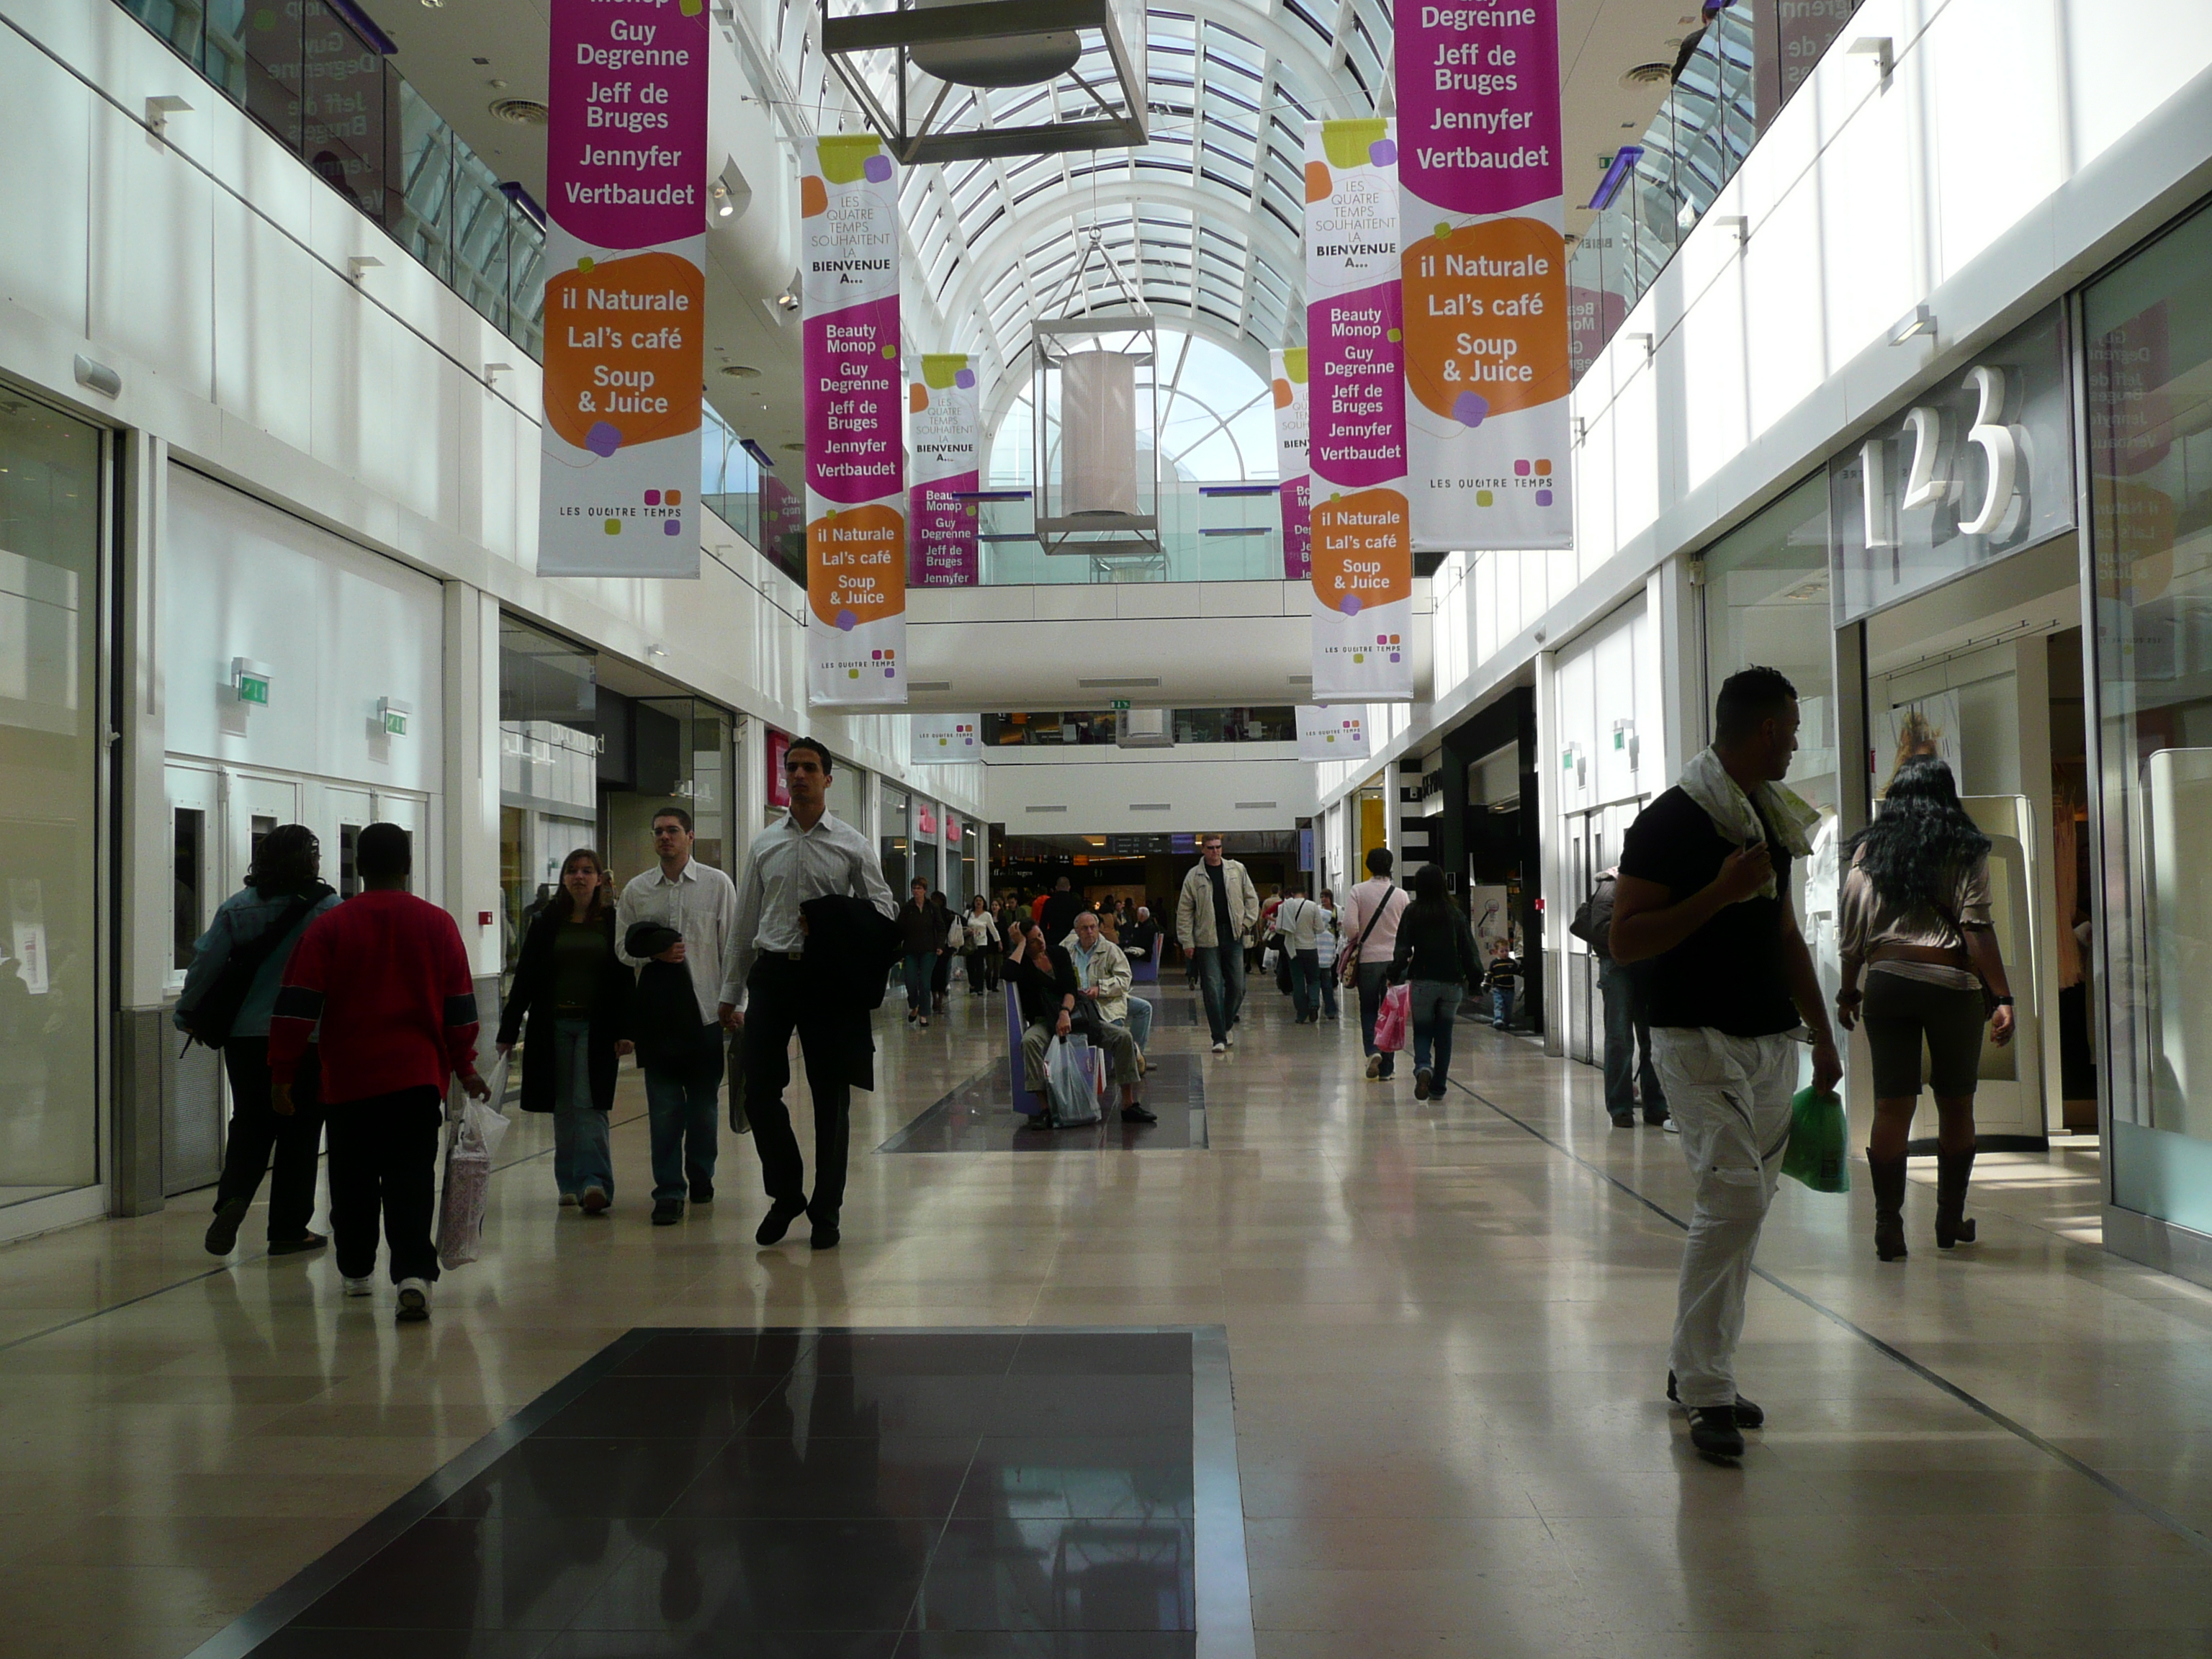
x=1624 y=1119
x=1747 y=1415
x=777 y=1222
x=668 y=1212
x=294 y=1246
x=702 y=1192
x=222 y=1231
x=1137 y=1112
x=825 y=1237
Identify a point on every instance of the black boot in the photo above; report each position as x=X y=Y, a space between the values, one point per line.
x=1953 y=1171
x=1887 y=1179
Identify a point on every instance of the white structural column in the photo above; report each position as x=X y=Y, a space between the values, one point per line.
x=1551 y=876
x=749 y=790
x=470 y=834
x=140 y=728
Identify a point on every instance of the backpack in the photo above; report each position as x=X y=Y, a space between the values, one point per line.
x=216 y=1011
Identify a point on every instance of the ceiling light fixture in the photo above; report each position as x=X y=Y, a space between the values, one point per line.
x=724 y=207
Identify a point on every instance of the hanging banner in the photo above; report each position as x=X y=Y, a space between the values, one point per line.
x=625 y=292
x=1362 y=552
x=945 y=739
x=944 y=419
x=1485 y=276
x=1290 y=377
x=1332 y=734
x=855 y=464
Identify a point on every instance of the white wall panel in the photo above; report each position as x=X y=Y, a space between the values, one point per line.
x=1996 y=125
x=45 y=182
x=151 y=255
x=341 y=627
x=2123 y=61
x=262 y=320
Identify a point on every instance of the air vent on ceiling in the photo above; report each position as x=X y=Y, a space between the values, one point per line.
x=1255 y=806
x=1648 y=74
x=1044 y=809
x=523 y=112
x=1151 y=806
x=1116 y=685
x=741 y=371
x=1298 y=679
x=929 y=685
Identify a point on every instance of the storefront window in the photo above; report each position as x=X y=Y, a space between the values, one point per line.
x=50 y=531
x=548 y=768
x=2147 y=327
x=1767 y=598
x=893 y=829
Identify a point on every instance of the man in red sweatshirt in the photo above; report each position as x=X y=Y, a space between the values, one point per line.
x=386 y=976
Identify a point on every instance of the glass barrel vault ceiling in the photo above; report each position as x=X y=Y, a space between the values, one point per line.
x=1206 y=218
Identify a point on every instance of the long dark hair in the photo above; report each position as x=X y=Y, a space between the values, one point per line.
x=1920 y=836
x=284 y=861
x=563 y=903
x=1428 y=891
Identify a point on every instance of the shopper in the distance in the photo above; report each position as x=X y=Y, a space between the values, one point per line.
x=1216 y=911
x=1704 y=899
x=1627 y=1035
x=1053 y=1006
x=1298 y=922
x=1916 y=922
x=1434 y=958
x=920 y=938
x=981 y=944
x=388 y=978
x=1370 y=945
x=574 y=992
x=684 y=1070
x=285 y=891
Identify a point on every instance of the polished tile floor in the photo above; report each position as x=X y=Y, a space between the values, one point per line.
x=1445 y=1321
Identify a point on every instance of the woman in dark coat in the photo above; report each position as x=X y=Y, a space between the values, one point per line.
x=574 y=994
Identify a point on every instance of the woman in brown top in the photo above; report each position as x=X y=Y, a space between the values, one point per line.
x=1915 y=920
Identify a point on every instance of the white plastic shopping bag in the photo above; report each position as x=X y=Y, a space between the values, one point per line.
x=473 y=1139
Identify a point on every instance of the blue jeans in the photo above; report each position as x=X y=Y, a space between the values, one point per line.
x=1140 y=1020
x=1305 y=983
x=920 y=965
x=682 y=1107
x=1435 y=1004
x=1625 y=1035
x=1501 y=1006
x=1373 y=980
x=581 y=1158
x=1221 y=982
x=1327 y=985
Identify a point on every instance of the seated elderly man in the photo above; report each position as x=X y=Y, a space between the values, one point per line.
x=1140 y=940
x=1053 y=1004
x=1102 y=974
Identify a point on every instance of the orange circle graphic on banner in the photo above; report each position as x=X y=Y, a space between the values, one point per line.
x=1363 y=554
x=856 y=565
x=623 y=347
x=1318 y=183
x=1485 y=324
x=813 y=196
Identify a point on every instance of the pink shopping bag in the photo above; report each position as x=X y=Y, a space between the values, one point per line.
x=1391 y=1020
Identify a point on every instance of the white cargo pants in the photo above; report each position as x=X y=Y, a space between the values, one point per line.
x=1731 y=1095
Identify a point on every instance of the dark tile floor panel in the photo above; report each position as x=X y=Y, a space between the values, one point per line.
x=834 y=1495
x=976 y=1117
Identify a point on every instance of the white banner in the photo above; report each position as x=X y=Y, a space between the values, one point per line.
x=945 y=739
x=856 y=503
x=1333 y=734
x=943 y=425
x=1363 y=553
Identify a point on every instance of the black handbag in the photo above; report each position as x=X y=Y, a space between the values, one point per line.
x=214 y=1015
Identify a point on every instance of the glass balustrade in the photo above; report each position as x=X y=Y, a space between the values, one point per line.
x=316 y=76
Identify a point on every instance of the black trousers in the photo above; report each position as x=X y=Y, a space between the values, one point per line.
x=940 y=977
x=255 y=1131
x=776 y=1005
x=383 y=1158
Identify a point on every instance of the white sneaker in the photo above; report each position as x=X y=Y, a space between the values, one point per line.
x=1220 y=1048
x=360 y=1287
x=414 y=1301
x=1374 y=1066
x=1673 y=1127
x=1232 y=1035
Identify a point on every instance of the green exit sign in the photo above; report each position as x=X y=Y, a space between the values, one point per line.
x=395 y=723
x=1120 y=704
x=249 y=679
x=252 y=691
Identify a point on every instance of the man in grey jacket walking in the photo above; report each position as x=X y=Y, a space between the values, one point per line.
x=1216 y=911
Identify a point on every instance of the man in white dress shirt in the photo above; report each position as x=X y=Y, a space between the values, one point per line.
x=808 y=855
x=698 y=902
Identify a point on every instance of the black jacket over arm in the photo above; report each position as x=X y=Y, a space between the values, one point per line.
x=531 y=999
x=850 y=948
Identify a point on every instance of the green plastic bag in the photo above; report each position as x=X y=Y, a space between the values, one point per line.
x=1817 y=1155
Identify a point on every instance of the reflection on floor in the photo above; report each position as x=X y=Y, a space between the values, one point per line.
x=1448 y=1319
x=976 y=1118
x=786 y=1492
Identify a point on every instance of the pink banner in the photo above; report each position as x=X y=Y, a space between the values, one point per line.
x=1297 y=528
x=1357 y=355
x=942 y=425
x=625 y=289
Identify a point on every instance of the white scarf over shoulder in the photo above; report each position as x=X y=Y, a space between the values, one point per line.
x=1707 y=783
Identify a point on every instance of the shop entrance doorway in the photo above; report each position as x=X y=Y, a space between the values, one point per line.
x=1986 y=672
